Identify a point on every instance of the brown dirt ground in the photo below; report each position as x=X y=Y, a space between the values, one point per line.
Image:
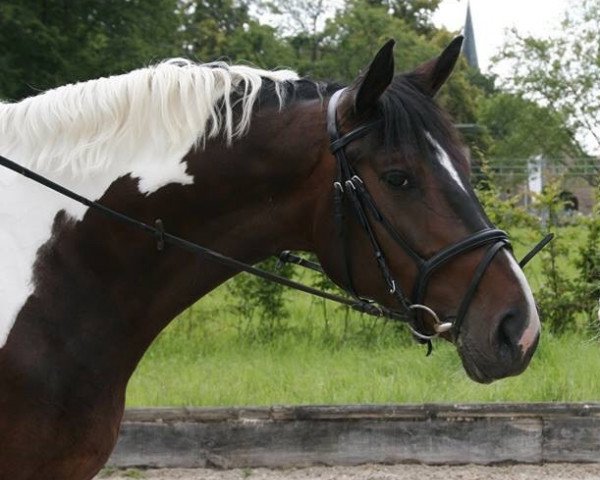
x=557 y=471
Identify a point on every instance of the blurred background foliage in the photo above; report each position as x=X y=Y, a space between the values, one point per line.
x=47 y=43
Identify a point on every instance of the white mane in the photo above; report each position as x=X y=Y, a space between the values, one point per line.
x=170 y=106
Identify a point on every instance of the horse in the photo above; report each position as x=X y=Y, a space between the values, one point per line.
x=370 y=177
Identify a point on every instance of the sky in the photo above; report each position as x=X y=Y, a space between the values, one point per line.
x=491 y=19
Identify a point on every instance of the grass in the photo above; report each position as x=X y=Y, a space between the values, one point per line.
x=321 y=354
x=563 y=370
x=206 y=358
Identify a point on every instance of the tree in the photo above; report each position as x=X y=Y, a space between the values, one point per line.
x=417 y=13
x=520 y=130
x=352 y=36
x=562 y=74
x=49 y=43
x=301 y=22
x=225 y=30
x=355 y=32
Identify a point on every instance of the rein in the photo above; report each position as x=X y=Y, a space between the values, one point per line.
x=162 y=237
x=349 y=190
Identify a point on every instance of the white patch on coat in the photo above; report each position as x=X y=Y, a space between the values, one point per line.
x=28 y=210
x=87 y=135
x=445 y=162
x=532 y=330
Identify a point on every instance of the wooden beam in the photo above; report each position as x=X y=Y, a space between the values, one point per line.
x=283 y=437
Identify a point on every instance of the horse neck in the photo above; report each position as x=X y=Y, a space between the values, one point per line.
x=107 y=289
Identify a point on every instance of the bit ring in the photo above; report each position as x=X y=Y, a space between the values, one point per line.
x=438 y=325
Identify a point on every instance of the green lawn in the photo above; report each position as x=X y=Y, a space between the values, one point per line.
x=320 y=354
x=211 y=357
x=564 y=369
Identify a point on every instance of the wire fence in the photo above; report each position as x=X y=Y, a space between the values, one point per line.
x=577 y=178
x=587 y=168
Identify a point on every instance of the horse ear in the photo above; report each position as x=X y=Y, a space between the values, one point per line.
x=433 y=74
x=370 y=85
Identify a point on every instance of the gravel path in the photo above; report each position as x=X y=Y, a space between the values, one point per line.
x=555 y=471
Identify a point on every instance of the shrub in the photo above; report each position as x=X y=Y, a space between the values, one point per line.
x=259 y=304
x=557 y=296
x=588 y=264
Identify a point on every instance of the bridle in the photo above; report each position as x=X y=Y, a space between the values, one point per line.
x=351 y=193
x=348 y=189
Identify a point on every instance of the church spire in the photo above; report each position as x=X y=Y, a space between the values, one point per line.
x=469 y=47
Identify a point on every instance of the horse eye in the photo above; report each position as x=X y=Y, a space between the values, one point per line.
x=397 y=179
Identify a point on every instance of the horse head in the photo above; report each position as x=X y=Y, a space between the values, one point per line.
x=410 y=232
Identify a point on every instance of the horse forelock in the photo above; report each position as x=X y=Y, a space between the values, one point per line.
x=172 y=106
x=411 y=119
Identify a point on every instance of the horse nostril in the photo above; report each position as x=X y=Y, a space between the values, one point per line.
x=508 y=335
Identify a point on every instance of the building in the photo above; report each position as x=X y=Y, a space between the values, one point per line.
x=469 y=46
